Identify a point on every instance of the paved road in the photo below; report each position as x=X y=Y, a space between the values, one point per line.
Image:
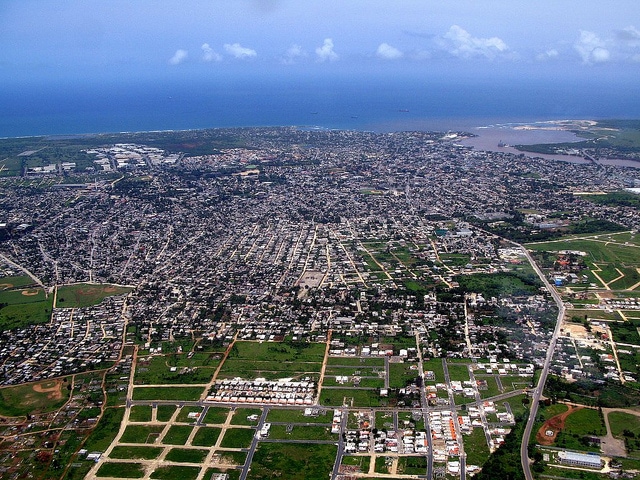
x=524 y=451
x=340 y=453
x=254 y=445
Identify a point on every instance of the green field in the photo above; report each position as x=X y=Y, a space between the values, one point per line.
x=133 y=453
x=165 y=412
x=306 y=432
x=24 y=306
x=40 y=397
x=177 y=434
x=121 y=470
x=10 y=283
x=86 y=295
x=292 y=461
x=273 y=360
x=140 y=413
x=167 y=393
x=612 y=259
x=621 y=421
x=175 y=368
x=297 y=416
x=186 y=455
x=206 y=436
x=356 y=361
x=175 y=472
x=237 y=438
x=240 y=416
x=336 y=397
x=216 y=415
x=141 y=433
x=183 y=416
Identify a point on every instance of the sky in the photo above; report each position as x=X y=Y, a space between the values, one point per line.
x=57 y=41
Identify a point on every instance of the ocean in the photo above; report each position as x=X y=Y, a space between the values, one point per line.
x=374 y=104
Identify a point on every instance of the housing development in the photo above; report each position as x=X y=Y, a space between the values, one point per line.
x=304 y=303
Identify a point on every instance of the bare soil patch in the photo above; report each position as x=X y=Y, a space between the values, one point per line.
x=53 y=388
x=555 y=425
x=29 y=293
x=6 y=286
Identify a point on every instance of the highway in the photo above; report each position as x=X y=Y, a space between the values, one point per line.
x=524 y=455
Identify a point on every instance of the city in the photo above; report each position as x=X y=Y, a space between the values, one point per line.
x=383 y=303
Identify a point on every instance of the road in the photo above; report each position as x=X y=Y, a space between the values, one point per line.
x=254 y=444
x=425 y=408
x=524 y=453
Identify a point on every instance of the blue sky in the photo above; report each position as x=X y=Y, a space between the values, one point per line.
x=112 y=40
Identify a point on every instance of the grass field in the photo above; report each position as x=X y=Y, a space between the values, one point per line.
x=237 y=438
x=184 y=455
x=121 y=470
x=297 y=416
x=177 y=434
x=164 y=412
x=307 y=432
x=22 y=307
x=621 y=421
x=133 y=453
x=140 y=413
x=217 y=415
x=31 y=398
x=86 y=295
x=206 y=436
x=157 y=370
x=8 y=283
x=240 y=416
x=273 y=360
x=336 y=397
x=292 y=461
x=612 y=259
x=141 y=433
x=175 y=472
x=356 y=362
x=167 y=393
x=183 y=416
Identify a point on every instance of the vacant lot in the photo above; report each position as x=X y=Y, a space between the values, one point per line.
x=33 y=398
x=273 y=360
x=292 y=461
x=86 y=295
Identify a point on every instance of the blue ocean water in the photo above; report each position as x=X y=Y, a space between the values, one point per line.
x=347 y=103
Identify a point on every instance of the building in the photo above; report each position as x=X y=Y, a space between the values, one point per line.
x=580 y=459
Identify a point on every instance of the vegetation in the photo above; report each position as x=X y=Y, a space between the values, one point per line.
x=206 y=436
x=20 y=308
x=130 y=452
x=141 y=433
x=177 y=434
x=86 y=295
x=292 y=461
x=105 y=432
x=237 y=438
x=186 y=455
x=32 y=398
x=175 y=472
x=167 y=393
x=121 y=470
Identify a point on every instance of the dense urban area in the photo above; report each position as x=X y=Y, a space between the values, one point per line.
x=311 y=304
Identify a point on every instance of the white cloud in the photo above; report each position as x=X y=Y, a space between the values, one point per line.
x=548 y=55
x=293 y=53
x=591 y=48
x=325 y=52
x=209 y=55
x=629 y=35
x=178 y=57
x=388 y=52
x=239 y=51
x=460 y=43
